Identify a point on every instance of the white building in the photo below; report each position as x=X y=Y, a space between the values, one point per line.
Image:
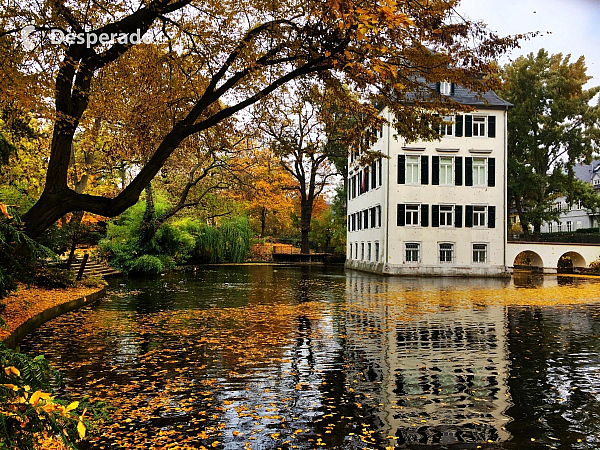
x=434 y=208
x=574 y=217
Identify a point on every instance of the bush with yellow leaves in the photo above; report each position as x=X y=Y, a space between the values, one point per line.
x=30 y=416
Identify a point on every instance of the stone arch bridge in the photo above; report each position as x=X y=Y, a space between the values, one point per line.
x=544 y=257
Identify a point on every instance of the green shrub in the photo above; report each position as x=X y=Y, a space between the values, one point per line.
x=595 y=266
x=146 y=265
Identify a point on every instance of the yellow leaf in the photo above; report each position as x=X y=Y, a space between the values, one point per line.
x=13 y=370
x=72 y=406
x=81 y=429
x=11 y=386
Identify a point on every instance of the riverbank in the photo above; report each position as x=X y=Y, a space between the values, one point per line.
x=29 y=307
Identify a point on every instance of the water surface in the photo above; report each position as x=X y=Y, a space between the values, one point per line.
x=280 y=357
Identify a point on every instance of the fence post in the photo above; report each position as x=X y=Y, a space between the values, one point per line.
x=82 y=267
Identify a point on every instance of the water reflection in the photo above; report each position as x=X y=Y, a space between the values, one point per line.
x=438 y=377
x=283 y=357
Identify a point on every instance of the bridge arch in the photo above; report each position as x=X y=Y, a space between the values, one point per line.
x=528 y=258
x=575 y=258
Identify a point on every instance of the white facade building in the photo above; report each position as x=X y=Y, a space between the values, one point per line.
x=434 y=208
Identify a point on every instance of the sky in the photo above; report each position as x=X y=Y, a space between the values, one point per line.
x=565 y=26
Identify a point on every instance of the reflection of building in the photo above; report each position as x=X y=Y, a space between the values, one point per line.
x=437 y=372
x=574 y=217
x=434 y=208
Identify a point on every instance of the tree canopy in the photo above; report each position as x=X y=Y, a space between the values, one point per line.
x=552 y=126
x=224 y=56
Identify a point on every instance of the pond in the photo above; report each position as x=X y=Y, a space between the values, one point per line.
x=267 y=357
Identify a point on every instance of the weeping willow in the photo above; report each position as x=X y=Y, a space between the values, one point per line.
x=229 y=242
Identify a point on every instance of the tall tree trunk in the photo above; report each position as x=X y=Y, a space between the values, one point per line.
x=306 y=207
x=524 y=223
x=263 y=221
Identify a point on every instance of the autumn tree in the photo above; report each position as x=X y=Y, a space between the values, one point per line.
x=237 y=52
x=552 y=126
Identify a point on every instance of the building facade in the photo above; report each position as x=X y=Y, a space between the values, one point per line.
x=433 y=208
x=573 y=216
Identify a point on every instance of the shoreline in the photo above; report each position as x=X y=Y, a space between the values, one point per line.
x=28 y=308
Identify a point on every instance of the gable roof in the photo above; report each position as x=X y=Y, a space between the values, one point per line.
x=471 y=98
x=585 y=172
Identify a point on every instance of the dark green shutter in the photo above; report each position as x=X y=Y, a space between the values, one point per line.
x=435 y=170
x=458 y=171
x=424 y=215
x=379 y=215
x=468 y=125
x=458 y=126
x=469 y=216
x=491 y=217
x=491 y=165
x=435 y=215
x=401 y=219
x=401 y=169
x=458 y=209
x=468 y=171
x=424 y=169
x=374 y=175
x=492 y=126
x=380 y=171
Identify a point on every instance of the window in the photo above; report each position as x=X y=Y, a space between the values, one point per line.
x=479 y=216
x=596 y=181
x=578 y=225
x=479 y=170
x=446 y=170
x=479 y=253
x=447 y=128
x=445 y=88
x=369 y=251
x=412 y=252
x=479 y=126
x=362 y=250
x=559 y=226
x=379 y=215
x=446 y=253
x=569 y=225
x=412 y=215
x=350 y=251
x=380 y=171
x=446 y=215
x=550 y=225
x=365 y=214
x=377 y=251
x=373 y=217
x=412 y=169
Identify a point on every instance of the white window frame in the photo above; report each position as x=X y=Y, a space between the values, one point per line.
x=444 y=169
x=356 y=250
x=550 y=225
x=569 y=226
x=412 y=167
x=480 y=213
x=559 y=226
x=480 y=124
x=377 y=251
x=452 y=249
x=485 y=253
x=414 y=213
x=447 y=212
x=480 y=172
x=412 y=250
x=445 y=88
x=362 y=251
x=578 y=225
x=369 y=247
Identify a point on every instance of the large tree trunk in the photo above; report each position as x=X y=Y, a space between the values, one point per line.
x=306 y=207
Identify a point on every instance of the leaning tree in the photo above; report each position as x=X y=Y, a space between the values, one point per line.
x=235 y=52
